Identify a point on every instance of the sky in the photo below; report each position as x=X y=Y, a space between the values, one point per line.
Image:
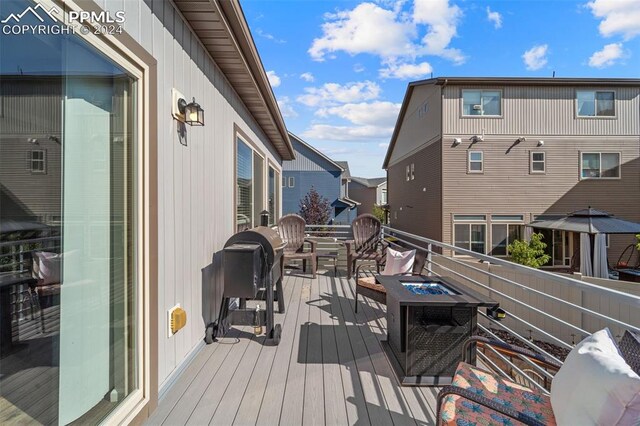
x=340 y=69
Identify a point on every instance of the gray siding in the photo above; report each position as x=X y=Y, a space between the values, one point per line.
x=416 y=205
x=308 y=161
x=541 y=111
x=196 y=173
x=421 y=123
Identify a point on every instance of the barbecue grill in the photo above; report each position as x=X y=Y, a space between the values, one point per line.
x=252 y=267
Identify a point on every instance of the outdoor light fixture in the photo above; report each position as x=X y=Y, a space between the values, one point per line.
x=457 y=141
x=192 y=112
x=540 y=143
x=189 y=113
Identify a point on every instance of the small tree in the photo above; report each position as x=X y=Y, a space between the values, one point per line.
x=379 y=213
x=314 y=208
x=638 y=243
x=529 y=254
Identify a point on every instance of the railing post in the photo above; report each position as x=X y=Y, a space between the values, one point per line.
x=429 y=264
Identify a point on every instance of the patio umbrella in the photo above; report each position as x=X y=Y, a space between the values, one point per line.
x=590 y=221
x=600 y=264
x=585 y=255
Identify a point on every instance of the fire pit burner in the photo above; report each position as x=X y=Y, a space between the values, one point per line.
x=428 y=288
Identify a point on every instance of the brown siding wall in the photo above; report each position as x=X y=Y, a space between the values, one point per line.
x=507 y=187
x=364 y=195
x=416 y=205
x=541 y=111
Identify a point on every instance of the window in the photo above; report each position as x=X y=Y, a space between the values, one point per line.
x=592 y=103
x=383 y=197
x=538 y=163
x=481 y=102
x=600 y=165
x=413 y=169
x=292 y=182
x=284 y=181
x=37 y=159
x=475 y=162
x=470 y=236
x=274 y=197
x=504 y=233
x=258 y=187
x=244 y=182
x=408 y=173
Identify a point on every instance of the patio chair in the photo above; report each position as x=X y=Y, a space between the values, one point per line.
x=367 y=243
x=367 y=286
x=291 y=228
x=477 y=396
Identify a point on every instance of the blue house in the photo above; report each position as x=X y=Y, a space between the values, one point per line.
x=311 y=168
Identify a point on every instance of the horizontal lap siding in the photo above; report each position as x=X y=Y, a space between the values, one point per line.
x=364 y=195
x=541 y=111
x=326 y=183
x=195 y=173
x=416 y=206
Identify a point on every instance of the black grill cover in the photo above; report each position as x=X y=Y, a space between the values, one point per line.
x=266 y=237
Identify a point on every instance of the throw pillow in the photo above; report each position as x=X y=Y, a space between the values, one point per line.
x=399 y=262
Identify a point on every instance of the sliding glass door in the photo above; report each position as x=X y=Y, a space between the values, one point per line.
x=67 y=229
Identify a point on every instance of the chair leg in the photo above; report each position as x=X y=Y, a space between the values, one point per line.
x=356 y=302
x=314 y=266
x=304 y=265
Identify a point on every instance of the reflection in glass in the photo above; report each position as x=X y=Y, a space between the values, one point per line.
x=244 y=182
x=67 y=276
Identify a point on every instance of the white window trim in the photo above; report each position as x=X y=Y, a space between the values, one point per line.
x=469 y=161
x=413 y=176
x=507 y=223
x=531 y=161
x=291 y=182
x=408 y=173
x=463 y=115
x=43 y=161
x=600 y=177
x=468 y=223
x=597 y=117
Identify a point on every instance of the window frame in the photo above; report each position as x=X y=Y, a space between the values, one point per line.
x=497 y=219
x=240 y=136
x=469 y=161
x=42 y=161
x=469 y=220
x=580 y=169
x=544 y=162
x=463 y=115
x=408 y=173
x=277 y=191
x=291 y=182
x=595 y=105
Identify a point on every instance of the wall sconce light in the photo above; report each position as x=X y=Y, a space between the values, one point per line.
x=540 y=143
x=521 y=139
x=193 y=112
x=189 y=113
x=457 y=141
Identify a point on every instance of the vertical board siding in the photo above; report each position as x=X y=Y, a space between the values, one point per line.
x=541 y=110
x=195 y=172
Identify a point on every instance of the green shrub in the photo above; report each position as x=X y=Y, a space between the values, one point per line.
x=529 y=253
x=379 y=213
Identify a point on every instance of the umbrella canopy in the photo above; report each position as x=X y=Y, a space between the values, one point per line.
x=590 y=221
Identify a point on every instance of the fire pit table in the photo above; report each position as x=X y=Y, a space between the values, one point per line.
x=428 y=321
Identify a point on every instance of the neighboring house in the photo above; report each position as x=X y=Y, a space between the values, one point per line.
x=311 y=168
x=472 y=160
x=368 y=192
x=140 y=202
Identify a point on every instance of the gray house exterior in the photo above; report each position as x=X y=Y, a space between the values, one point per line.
x=473 y=160
x=368 y=192
x=313 y=169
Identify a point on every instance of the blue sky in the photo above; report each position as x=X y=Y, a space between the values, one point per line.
x=339 y=69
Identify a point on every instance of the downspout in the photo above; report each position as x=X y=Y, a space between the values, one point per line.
x=442 y=164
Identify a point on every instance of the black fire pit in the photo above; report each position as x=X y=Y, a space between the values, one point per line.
x=428 y=321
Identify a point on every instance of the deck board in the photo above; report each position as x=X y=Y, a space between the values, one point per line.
x=328 y=369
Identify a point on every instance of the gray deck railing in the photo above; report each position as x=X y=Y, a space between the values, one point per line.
x=543 y=308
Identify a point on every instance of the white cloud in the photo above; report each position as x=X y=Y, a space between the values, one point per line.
x=360 y=31
x=269 y=36
x=358 y=68
x=286 y=109
x=494 y=17
x=391 y=34
x=330 y=94
x=618 y=17
x=442 y=20
x=274 y=80
x=607 y=56
x=347 y=133
x=384 y=145
x=406 y=71
x=536 y=57
x=308 y=77
x=379 y=113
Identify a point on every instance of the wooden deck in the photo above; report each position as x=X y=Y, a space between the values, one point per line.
x=329 y=369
